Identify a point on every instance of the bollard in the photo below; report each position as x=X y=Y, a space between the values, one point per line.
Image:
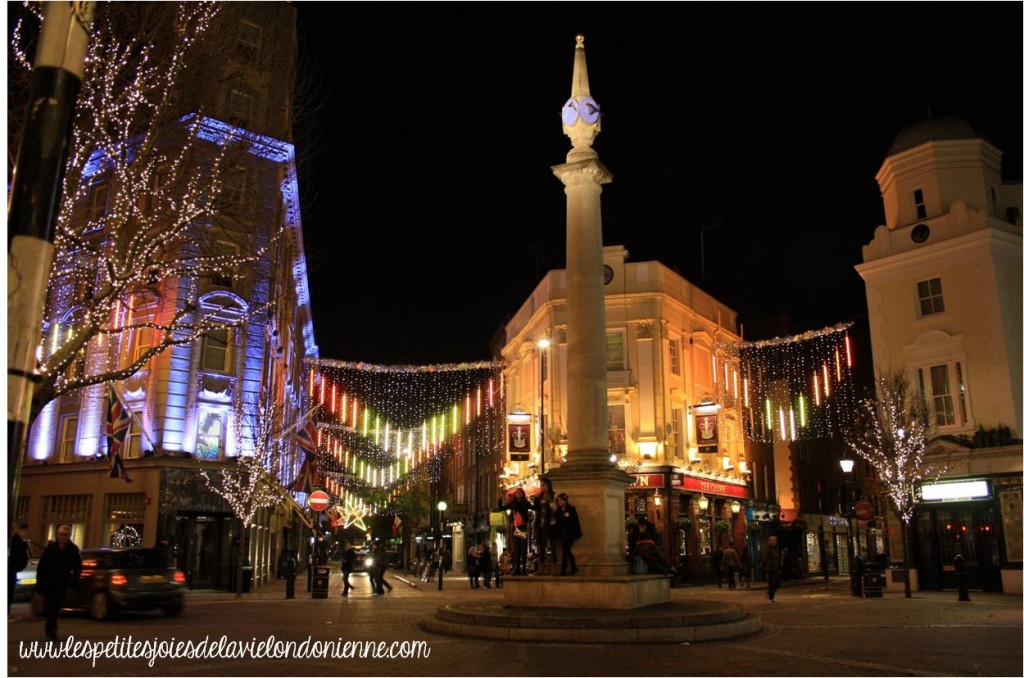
x=856 y=577
x=961 y=578
x=291 y=568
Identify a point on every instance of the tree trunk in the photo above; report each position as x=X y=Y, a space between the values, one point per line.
x=240 y=559
x=905 y=527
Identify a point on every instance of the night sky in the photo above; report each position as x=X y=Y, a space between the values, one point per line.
x=430 y=211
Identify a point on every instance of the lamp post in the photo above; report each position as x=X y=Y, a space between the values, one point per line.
x=855 y=588
x=543 y=344
x=702 y=506
x=735 y=507
x=442 y=506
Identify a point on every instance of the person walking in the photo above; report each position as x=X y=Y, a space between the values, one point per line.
x=544 y=527
x=59 y=569
x=716 y=564
x=473 y=566
x=380 y=564
x=520 y=523
x=348 y=563
x=771 y=562
x=500 y=561
x=567 y=520
x=731 y=564
x=17 y=560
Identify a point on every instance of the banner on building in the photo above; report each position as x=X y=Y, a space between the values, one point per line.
x=707 y=432
x=519 y=436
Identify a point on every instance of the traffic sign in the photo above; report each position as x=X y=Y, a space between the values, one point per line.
x=318 y=500
x=864 y=510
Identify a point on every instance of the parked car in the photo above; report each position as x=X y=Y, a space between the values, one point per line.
x=116 y=580
x=26 y=581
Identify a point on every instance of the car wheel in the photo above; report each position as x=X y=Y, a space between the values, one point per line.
x=173 y=610
x=99 y=607
x=38 y=604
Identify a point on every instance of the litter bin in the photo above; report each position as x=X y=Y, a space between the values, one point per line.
x=874 y=580
x=321 y=581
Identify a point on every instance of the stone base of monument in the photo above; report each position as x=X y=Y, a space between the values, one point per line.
x=688 y=621
x=623 y=592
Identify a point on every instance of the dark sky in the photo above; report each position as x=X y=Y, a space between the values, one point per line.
x=430 y=211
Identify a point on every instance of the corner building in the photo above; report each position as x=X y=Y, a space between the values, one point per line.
x=943 y=282
x=663 y=373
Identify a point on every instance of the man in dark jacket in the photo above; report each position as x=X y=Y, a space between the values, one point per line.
x=17 y=560
x=59 y=569
x=348 y=563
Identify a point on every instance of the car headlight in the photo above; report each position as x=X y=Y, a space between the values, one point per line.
x=368 y=562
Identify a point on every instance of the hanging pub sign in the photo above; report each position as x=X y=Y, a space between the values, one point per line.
x=707 y=432
x=519 y=436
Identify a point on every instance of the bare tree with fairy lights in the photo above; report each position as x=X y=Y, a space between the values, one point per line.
x=890 y=432
x=159 y=241
x=252 y=480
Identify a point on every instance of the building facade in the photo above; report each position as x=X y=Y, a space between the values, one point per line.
x=190 y=403
x=674 y=411
x=943 y=281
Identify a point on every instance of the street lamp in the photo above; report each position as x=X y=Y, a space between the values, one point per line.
x=442 y=506
x=735 y=507
x=544 y=343
x=855 y=588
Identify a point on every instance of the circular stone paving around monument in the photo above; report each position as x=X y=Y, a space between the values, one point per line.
x=673 y=622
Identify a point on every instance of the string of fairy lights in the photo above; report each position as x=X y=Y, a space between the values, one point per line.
x=789 y=388
x=382 y=428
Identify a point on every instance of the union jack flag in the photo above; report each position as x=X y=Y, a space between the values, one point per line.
x=306 y=438
x=119 y=420
x=304 y=481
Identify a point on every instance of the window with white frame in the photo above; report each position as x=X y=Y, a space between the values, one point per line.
x=133 y=441
x=210 y=434
x=945 y=388
x=143 y=342
x=929 y=297
x=216 y=350
x=615 y=357
x=68 y=435
x=673 y=356
x=919 y=206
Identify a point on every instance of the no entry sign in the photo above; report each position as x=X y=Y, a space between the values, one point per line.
x=864 y=510
x=318 y=500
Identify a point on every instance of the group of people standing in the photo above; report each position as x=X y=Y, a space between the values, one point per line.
x=481 y=562
x=556 y=526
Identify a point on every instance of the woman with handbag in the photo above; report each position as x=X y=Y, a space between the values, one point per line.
x=520 y=522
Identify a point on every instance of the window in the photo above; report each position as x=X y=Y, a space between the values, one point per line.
x=232 y=189
x=615 y=356
x=122 y=519
x=228 y=252
x=143 y=342
x=673 y=356
x=158 y=182
x=617 y=429
x=239 y=108
x=249 y=38
x=68 y=435
x=215 y=350
x=945 y=388
x=133 y=441
x=96 y=203
x=919 y=203
x=210 y=436
x=929 y=296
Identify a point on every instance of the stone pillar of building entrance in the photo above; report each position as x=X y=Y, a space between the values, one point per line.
x=595 y=486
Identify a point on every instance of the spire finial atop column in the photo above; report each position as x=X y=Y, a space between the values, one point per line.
x=581 y=114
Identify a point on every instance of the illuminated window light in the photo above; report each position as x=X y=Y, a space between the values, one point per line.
x=971 y=489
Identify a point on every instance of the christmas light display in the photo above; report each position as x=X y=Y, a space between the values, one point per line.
x=789 y=388
x=890 y=432
x=383 y=428
x=138 y=233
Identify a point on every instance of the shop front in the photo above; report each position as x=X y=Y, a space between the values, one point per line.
x=693 y=515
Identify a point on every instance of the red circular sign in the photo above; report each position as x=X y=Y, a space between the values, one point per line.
x=864 y=510
x=318 y=500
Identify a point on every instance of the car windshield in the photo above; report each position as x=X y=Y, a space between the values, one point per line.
x=138 y=559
